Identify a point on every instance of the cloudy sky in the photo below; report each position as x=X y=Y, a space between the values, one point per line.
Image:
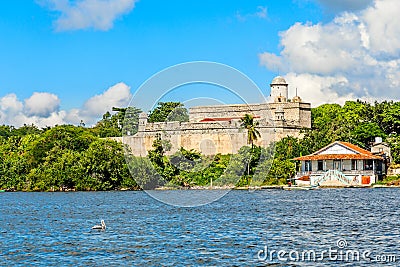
x=64 y=61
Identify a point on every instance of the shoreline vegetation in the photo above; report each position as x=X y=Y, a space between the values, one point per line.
x=222 y=188
x=79 y=158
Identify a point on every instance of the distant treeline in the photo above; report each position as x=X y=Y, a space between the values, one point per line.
x=76 y=157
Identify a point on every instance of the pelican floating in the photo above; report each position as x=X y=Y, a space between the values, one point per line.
x=100 y=227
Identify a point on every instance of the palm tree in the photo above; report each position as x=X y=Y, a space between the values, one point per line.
x=252 y=134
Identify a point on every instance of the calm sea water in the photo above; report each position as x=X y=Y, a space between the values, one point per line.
x=38 y=229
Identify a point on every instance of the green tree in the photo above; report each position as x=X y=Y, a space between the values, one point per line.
x=26 y=129
x=394 y=142
x=185 y=159
x=248 y=123
x=144 y=174
x=184 y=164
x=280 y=171
x=169 y=111
x=289 y=147
x=6 y=131
x=63 y=136
x=60 y=170
x=104 y=164
x=108 y=126
x=387 y=115
x=130 y=121
x=364 y=133
x=160 y=162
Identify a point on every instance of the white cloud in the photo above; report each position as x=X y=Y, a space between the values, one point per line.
x=342 y=5
x=261 y=13
x=319 y=89
x=42 y=109
x=83 y=14
x=382 y=23
x=41 y=104
x=55 y=118
x=356 y=55
x=10 y=104
x=272 y=62
x=117 y=95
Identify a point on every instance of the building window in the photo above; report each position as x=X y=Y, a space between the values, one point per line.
x=353 y=164
x=308 y=166
x=320 y=165
x=368 y=165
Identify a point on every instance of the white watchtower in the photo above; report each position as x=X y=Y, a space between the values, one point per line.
x=279 y=90
x=142 y=122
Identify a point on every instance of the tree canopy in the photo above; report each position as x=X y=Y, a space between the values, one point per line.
x=169 y=111
x=250 y=125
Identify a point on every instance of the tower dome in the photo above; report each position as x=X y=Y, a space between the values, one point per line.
x=278 y=80
x=279 y=90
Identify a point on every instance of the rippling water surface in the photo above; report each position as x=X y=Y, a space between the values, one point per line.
x=55 y=228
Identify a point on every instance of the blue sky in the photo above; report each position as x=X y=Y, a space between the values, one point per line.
x=62 y=61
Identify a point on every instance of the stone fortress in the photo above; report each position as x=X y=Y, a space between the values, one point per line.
x=217 y=129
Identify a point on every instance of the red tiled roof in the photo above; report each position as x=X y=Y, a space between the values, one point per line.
x=224 y=119
x=337 y=156
x=360 y=153
x=355 y=148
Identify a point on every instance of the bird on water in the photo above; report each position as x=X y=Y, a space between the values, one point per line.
x=100 y=227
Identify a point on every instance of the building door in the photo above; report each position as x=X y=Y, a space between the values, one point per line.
x=337 y=165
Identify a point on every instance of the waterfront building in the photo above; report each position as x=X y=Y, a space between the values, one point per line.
x=343 y=164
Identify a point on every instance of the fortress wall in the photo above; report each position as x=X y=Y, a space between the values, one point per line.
x=135 y=143
x=198 y=113
x=210 y=143
x=285 y=132
x=295 y=112
x=173 y=127
x=206 y=141
x=290 y=109
x=305 y=116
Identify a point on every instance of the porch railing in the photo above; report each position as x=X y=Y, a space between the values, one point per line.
x=334 y=175
x=347 y=173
